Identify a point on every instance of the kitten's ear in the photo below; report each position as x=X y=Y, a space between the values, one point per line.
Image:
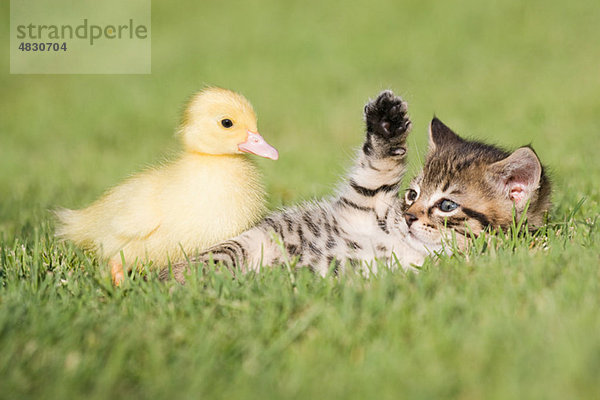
x=440 y=135
x=517 y=176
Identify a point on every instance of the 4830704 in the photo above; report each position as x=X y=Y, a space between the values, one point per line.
x=43 y=46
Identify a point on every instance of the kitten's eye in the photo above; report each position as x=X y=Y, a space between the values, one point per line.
x=411 y=195
x=448 y=205
x=227 y=123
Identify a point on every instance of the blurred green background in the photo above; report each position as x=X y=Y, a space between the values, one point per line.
x=496 y=325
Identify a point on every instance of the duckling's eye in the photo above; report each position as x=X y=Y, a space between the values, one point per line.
x=227 y=123
x=411 y=195
x=448 y=205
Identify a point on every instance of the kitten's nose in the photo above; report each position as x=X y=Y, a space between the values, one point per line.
x=410 y=218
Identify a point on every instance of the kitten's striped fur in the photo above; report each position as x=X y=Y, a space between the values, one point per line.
x=366 y=221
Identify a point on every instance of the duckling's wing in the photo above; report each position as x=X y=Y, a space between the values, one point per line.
x=136 y=223
x=127 y=233
x=138 y=214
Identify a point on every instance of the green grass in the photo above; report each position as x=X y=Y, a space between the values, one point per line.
x=504 y=321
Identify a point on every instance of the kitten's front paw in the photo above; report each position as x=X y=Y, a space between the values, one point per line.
x=387 y=125
x=386 y=116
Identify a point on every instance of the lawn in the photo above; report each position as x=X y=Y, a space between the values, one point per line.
x=515 y=319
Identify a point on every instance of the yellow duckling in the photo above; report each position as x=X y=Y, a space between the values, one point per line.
x=212 y=192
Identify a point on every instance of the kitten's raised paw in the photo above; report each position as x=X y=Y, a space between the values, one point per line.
x=386 y=115
x=387 y=120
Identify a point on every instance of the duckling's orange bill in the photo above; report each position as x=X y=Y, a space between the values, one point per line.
x=255 y=144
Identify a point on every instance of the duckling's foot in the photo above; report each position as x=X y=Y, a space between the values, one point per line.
x=116 y=271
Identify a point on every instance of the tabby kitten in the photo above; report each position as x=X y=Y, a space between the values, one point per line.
x=463 y=184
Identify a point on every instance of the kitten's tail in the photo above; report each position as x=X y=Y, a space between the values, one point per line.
x=230 y=254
